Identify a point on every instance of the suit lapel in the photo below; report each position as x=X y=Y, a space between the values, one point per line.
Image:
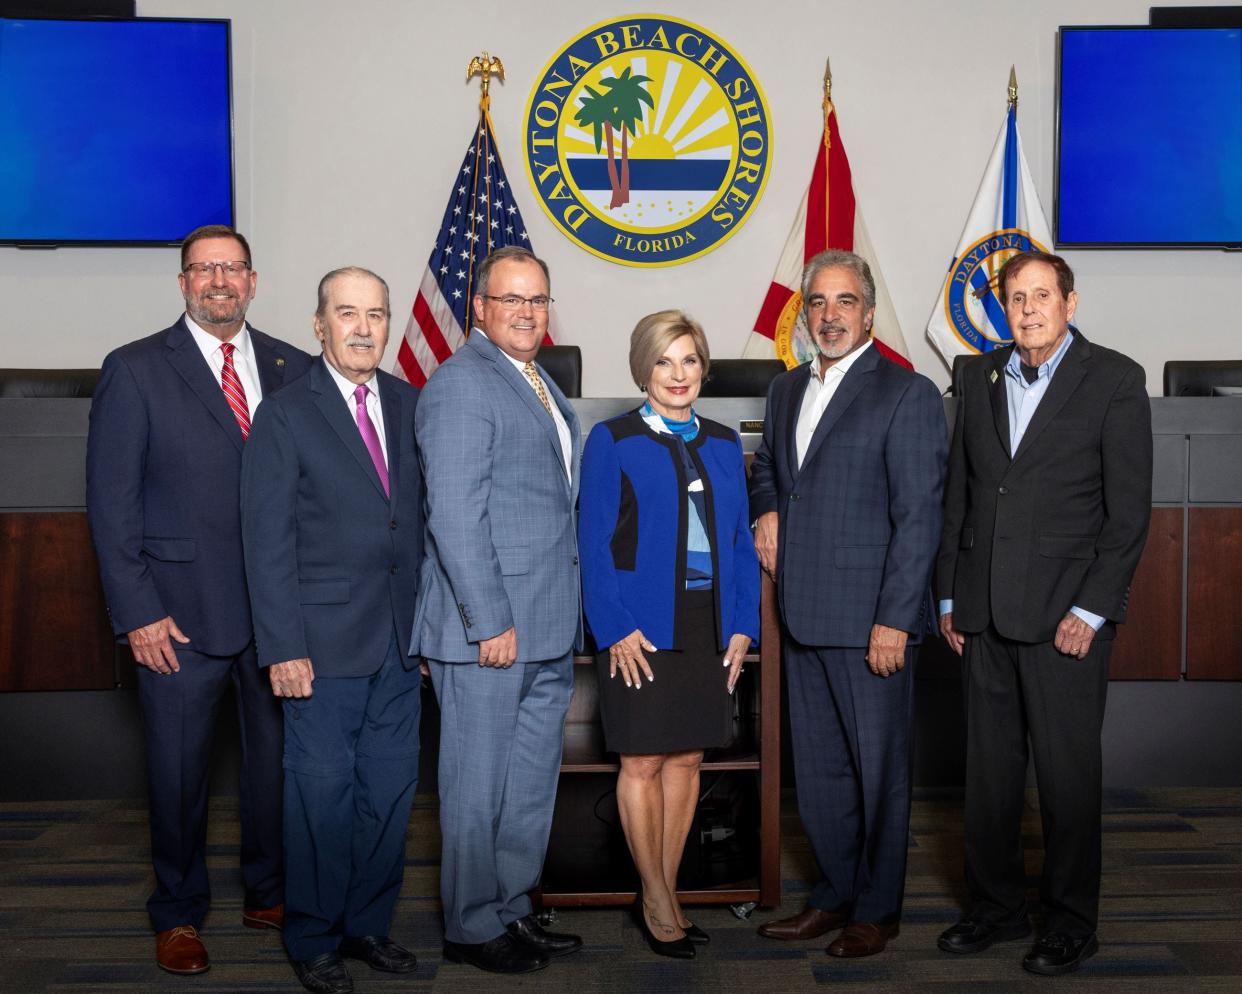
x=336 y=411
x=575 y=430
x=270 y=364
x=188 y=361
x=1070 y=373
x=847 y=392
x=790 y=409
x=391 y=400
x=1000 y=399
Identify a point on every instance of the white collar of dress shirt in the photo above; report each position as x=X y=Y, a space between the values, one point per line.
x=208 y=343
x=347 y=387
x=841 y=366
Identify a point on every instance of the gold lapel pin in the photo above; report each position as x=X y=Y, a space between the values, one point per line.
x=280 y=362
x=993 y=376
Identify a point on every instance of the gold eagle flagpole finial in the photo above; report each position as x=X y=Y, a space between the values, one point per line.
x=1013 y=88
x=485 y=66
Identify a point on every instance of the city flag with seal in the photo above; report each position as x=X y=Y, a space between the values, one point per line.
x=828 y=217
x=648 y=140
x=968 y=318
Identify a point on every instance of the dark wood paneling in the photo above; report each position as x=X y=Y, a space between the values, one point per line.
x=1149 y=644
x=1214 y=594
x=55 y=633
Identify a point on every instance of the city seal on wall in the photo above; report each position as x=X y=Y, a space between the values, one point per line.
x=647 y=140
x=971 y=304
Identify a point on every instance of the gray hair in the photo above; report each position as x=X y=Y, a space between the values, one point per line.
x=326 y=283
x=514 y=253
x=655 y=333
x=847 y=260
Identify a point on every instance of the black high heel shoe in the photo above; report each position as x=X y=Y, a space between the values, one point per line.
x=681 y=948
x=696 y=935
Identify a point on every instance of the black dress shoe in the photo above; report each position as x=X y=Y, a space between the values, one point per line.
x=529 y=931
x=379 y=953
x=325 y=974
x=973 y=935
x=681 y=948
x=696 y=934
x=503 y=954
x=1057 y=953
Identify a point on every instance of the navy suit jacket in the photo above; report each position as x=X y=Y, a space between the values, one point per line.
x=163 y=467
x=332 y=562
x=860 y=520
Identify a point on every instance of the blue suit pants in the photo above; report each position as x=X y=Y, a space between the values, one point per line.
x=501 y=734
x=179 y=715
x=852 y=759
x=351 y=769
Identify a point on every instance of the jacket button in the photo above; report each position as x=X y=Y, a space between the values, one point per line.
x=392 y=525
x=793 y=496
x=1002 y=490
x=575 y=560
x=394 y=570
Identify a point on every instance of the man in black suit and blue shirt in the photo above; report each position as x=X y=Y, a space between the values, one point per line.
x=332 y=520
x=1046 y=513
x=169 y=419
x=845 y=490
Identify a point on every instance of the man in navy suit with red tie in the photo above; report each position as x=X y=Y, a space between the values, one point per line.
x=332 y=521
x=169 y=419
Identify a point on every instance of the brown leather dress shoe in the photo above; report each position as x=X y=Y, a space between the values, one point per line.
x=179 y=950
x=862 y=939
x=810 y=923
x=273 y=917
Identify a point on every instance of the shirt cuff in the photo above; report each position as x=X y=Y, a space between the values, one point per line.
x=1094 y=620
x=946 y=607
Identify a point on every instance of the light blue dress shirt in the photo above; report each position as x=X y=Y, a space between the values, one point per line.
x=1023 y=399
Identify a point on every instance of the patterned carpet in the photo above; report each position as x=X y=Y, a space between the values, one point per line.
x=73 y=878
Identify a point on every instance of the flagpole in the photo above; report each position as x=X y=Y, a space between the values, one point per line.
x=827 y=136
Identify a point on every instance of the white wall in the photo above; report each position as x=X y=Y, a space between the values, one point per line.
x=351 y=119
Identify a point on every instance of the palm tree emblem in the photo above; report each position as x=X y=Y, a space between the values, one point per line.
x=620 y=109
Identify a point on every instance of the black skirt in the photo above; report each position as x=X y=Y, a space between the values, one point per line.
x=687 y=706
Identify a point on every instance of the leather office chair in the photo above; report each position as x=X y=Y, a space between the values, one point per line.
x=47 y=382
x=564 y=364
x=1195 y=378
x=741 y=377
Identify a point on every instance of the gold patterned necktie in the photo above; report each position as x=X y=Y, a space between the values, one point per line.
x=536 y=381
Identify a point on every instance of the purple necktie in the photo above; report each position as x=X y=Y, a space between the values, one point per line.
x=370 y=439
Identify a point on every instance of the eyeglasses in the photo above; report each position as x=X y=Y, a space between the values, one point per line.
x=205 y=270
x=512 y=301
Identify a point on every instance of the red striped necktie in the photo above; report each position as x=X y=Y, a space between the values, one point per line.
x=234 y=392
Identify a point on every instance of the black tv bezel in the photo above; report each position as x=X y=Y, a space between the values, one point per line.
x=1056 y=163
x=53 y=243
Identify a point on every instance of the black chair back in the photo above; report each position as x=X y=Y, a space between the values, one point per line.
x=564 y=364
x=741 y=377
x=47 y=382
x=1196 y=378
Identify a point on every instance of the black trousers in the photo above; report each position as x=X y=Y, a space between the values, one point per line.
x=1015 y=692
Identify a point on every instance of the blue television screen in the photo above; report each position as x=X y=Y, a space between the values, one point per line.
x=114 y=131
x=1149 y=137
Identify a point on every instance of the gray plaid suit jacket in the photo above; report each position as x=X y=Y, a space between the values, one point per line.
x=501 y=548
x=860 y=519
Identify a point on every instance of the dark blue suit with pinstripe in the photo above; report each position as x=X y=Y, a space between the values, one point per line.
x=859 y=527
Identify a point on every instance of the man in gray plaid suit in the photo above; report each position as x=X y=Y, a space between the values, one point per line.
x=498 y=612
x=845 y=490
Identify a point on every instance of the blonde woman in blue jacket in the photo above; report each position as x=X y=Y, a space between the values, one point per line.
x=670 y=586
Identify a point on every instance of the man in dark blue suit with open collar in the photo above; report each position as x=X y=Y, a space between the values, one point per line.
x=163 y=462
x=845 y=490
x=332 y=520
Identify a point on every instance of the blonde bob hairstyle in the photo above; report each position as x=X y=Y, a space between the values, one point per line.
x=654 y=334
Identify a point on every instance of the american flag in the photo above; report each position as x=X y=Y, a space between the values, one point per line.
x=481 y=216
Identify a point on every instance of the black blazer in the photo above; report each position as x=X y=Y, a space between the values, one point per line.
x=1063 y=522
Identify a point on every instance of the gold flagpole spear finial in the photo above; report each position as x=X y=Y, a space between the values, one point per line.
x=827 y=81
x=485 y=66
x=1013 y=88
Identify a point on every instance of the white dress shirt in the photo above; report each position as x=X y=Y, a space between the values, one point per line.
x=243 y=359
x=819 y=392
x=558 y=419
x=374 y=410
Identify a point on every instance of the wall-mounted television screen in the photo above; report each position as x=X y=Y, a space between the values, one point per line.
x=114 y=132
x=1149 y=137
